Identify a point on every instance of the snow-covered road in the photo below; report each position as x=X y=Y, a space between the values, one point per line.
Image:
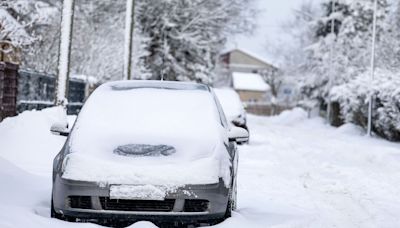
x=296 y=172
x=302 y=173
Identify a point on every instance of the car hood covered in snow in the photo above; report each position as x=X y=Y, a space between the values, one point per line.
x=163 y=136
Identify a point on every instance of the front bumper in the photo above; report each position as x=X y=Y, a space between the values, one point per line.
x=94 y=208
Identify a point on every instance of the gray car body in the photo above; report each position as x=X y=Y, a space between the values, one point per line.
x=218 y=195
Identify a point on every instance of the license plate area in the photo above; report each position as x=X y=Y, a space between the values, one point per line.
x=137 y=192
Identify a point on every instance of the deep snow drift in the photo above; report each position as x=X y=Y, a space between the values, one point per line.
x=26 y=140
x=296 y=172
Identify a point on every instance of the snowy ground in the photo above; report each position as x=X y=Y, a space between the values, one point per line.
x=296 y=172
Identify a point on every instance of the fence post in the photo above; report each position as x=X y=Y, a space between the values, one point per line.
x=8 y=89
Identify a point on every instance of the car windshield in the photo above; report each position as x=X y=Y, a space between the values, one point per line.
x=131 y=120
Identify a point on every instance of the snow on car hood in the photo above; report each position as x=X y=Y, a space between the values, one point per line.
x=154 y=136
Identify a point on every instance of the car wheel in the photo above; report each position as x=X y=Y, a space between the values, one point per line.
x=232 y=200
x=53 y=212
x=228 y=212
x=59 y=216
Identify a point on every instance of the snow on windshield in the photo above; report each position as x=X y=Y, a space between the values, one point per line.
x=186 y=120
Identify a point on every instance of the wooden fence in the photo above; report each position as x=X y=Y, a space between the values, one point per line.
x=265 y=109
x=24 y=90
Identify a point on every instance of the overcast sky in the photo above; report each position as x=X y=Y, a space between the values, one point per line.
x=272 y=14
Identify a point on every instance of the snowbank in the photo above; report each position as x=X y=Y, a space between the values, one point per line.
x=27 y=142
x=290 y=117
x=351 y=129
x=121 y=115
x=25 y=200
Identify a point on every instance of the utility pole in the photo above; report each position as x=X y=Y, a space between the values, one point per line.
x=331 y=71
x=371 y=95
x=129 y=29
x=64 y=52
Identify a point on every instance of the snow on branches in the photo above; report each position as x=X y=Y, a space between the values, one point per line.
x=18 y=16
x=350 y=43
x=185 y=37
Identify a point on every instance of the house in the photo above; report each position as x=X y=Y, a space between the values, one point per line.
x=257 y=82
x=251 y=87
x=243 y=71
x=238 y=60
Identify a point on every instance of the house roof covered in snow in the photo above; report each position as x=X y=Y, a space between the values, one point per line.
x=249 y=54
x=249 y=82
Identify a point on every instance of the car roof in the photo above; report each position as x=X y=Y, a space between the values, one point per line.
x=140 y=84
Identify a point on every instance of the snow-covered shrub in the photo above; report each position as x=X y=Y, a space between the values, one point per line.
x=353 y=98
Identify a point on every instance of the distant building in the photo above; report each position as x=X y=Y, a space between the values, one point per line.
x=244 y=71
x=250 y=87
x=238 y=60
x=256 y=81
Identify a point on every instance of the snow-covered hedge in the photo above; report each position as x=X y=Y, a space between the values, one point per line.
x=353 y=99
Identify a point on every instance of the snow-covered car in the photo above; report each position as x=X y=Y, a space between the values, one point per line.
x=232 y=106
x=147 y=150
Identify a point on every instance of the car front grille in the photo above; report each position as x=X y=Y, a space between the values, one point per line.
x=137 y=205
x=80 y=202
x=196 y=205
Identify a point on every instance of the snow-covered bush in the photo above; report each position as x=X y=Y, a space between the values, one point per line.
x=353 y=98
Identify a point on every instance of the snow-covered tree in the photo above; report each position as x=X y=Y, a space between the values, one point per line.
x=300 y=30
x=17 y=17
x=179 y=39
x=98 y=39
x=21 y=24
x=42 y=55
x=351 y=42
x=274 y=78
x=186 y=36
x=388 y=49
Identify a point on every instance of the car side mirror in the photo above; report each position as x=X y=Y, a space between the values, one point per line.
x=238 y=134
x=238 y=121
x=59 y=129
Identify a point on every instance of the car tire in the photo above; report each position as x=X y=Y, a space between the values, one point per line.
x=59 y=216
x=228 y=212
x=53 y=212
x=232 y=200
